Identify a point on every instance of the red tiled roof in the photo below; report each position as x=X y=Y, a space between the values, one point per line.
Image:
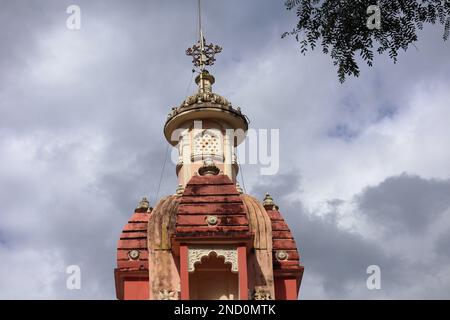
x=134 y=237
x=211 y=195
x=283 y=240
x=205 y=196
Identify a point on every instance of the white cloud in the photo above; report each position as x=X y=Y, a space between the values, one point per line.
x=30 y=274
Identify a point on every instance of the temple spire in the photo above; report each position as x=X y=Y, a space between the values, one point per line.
x=202 y=54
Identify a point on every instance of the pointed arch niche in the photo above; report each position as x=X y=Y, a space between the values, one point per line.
x=218 y=266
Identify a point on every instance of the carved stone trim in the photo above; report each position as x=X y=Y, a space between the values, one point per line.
x=167 y=295
x=195 y=255
x=261 y=294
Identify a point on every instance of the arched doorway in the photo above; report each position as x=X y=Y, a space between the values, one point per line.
x=213 y=280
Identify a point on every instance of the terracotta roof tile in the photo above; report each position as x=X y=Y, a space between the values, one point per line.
x=134 y=237
x=211 y=195
x=283 y=240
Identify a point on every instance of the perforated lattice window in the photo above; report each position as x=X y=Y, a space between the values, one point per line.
x=207 y=142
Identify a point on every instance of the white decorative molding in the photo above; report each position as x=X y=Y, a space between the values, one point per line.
x=195 y=255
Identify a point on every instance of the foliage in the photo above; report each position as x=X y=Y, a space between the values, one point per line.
x=341 y=28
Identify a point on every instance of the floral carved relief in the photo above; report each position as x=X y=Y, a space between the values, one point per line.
x=195 y=255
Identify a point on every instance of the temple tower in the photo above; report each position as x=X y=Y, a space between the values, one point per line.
x=208 y=240
x=205 y=127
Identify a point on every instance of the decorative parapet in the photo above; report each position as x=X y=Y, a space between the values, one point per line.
x=196 y=254
x=213 y=99
x=201 y=97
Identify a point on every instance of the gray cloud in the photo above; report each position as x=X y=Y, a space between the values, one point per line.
x=336 y=257
x=406 y=202
x=442 y=245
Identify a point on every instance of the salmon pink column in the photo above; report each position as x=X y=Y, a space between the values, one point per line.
x=243 y=277
x=291 y=289
x=184 y=272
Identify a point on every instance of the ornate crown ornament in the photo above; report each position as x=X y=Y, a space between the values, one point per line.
x=203 y=54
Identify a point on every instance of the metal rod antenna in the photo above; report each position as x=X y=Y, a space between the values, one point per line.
x=200 y=33
x=202 y=54
x=199 y=21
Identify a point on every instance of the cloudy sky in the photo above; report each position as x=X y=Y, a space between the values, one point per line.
x=364 y=176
